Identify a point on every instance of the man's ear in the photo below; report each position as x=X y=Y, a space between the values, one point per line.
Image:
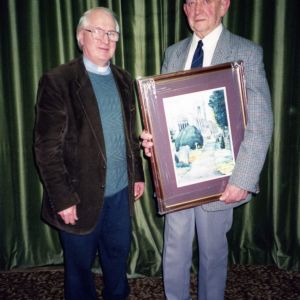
x=80 y=38
x=224 y=7
x=185 y=8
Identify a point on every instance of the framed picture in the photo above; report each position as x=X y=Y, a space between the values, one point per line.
x=197 y=119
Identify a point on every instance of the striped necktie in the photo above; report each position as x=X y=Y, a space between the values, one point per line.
x=198 y=56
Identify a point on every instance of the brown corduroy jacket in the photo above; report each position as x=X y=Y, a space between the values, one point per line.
x=69 y=144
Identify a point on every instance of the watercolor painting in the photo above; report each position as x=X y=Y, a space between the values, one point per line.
x=199 y=136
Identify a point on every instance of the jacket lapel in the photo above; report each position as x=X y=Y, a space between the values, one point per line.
x=223 y=50
x=182 y=54
x=88 y=103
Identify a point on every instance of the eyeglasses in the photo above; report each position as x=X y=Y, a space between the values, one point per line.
x=98 y=33
x=192 y=3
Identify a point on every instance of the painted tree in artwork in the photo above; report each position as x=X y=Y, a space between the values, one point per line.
x=217 y=103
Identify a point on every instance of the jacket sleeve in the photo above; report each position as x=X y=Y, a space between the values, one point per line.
x=49 y=138
x=258 y=132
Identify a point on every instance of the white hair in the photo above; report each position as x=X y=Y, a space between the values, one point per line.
x=83 y=21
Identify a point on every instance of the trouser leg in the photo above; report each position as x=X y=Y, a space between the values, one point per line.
x=79 y=255
x=212 y=228
x=177 y=256
x=114 y=245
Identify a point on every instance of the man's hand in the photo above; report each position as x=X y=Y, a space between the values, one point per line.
x=69 y=215
x=147 y=143
x=233 y=194
x=139 y=188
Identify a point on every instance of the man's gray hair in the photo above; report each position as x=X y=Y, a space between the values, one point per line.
x=83 y=21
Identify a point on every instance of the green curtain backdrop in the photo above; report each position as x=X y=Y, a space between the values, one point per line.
x=36 y=35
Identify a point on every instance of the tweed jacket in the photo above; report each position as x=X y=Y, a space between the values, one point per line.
x=69 y=144
x=259 y=128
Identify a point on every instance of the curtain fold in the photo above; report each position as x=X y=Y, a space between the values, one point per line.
x=37 y=35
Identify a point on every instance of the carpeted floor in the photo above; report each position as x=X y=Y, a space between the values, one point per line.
x=244 y=282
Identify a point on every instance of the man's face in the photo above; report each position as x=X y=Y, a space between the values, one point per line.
x=101 y=49
x=205 y=15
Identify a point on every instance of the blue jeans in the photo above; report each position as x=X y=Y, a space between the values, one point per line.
x=111 y=238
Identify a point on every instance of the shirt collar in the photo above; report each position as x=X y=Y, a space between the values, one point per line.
x=209 y=45
x=211 y=39
x=93 y=68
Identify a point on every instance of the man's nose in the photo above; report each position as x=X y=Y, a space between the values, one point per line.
x=200 y=5
x=105 y=38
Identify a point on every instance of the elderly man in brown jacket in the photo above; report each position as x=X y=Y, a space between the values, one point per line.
x=88 y=159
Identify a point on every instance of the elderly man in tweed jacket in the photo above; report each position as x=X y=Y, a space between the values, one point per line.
x=212 y=221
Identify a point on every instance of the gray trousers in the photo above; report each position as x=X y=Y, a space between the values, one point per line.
x=213 y=252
